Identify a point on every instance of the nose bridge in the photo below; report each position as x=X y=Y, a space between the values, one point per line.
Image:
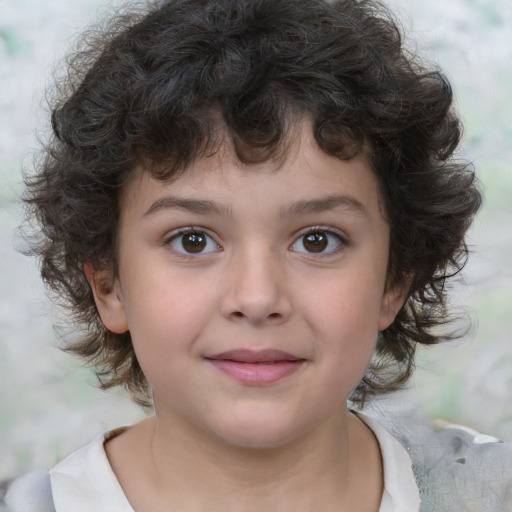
x=257 y=285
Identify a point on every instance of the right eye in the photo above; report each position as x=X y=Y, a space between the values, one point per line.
x=193 y=242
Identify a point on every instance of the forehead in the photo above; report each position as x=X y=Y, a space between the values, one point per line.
x=304 y=173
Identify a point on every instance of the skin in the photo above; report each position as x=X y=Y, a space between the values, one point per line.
x=215 y=443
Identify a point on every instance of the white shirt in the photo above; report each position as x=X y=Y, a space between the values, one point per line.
x=85 y=480
x=400 y=488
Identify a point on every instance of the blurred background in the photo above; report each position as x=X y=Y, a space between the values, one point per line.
x=49 y=404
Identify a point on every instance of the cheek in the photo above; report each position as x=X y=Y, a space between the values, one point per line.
x=344 y=319
x=160 y=298
x=165 y=318
x=348 y=304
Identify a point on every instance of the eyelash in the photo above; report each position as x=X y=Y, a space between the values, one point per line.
x=321 y=230
x=328 y=233
x=175 y=236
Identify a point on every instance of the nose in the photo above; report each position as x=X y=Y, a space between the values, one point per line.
x=257 y=289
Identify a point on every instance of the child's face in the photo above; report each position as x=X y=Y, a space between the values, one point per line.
x=225 y=262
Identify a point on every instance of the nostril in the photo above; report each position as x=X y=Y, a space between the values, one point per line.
x=274 y=315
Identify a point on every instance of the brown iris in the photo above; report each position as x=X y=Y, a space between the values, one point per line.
x=315 y=242
x=193 y=242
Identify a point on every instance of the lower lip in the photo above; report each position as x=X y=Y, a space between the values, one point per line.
x=257 y=374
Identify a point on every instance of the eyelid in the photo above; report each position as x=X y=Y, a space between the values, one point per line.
x=320 y=227
x=175 y=234
x=343 y=238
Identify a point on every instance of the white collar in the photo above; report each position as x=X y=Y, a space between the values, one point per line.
x=85 y=481
x=401 y=492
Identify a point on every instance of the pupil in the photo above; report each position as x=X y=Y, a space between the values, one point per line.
x=315 y=242
x=193 y=242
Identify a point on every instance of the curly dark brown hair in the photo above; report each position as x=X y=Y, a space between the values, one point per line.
x=148 y=89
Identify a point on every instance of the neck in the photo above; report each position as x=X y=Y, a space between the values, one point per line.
x=244 y=471
x=184 y=469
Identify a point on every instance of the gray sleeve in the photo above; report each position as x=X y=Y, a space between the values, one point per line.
x=457 y=468
x=462 y=472
x=28 y=493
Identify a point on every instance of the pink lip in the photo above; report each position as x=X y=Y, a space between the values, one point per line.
x=256 y=367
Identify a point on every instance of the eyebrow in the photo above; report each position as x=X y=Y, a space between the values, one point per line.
x=205 y=207
x=199 y=206
x=324 y=204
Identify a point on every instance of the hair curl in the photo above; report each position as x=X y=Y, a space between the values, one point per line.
x=149 y=89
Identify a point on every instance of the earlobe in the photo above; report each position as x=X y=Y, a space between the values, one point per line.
x=392 y=301
x=108 y=298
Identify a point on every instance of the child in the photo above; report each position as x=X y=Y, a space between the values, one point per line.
x=253 y=207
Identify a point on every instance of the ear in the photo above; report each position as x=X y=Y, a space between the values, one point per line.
x=393 y=299
x=108 y=298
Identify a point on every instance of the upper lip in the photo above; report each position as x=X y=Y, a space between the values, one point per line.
x=255 y=356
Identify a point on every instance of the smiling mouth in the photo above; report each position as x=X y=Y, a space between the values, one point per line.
x=256 y=368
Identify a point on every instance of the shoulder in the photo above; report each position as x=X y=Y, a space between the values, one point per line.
x=70 y=485
x=85 y=481
x=28 y=493
x=466 y=468
x=457 y=468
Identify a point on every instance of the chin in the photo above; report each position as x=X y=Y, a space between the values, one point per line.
x=262 y=433
x=257 y=440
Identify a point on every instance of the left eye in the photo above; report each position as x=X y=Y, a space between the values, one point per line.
x=318 y=242
x=193 y=242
